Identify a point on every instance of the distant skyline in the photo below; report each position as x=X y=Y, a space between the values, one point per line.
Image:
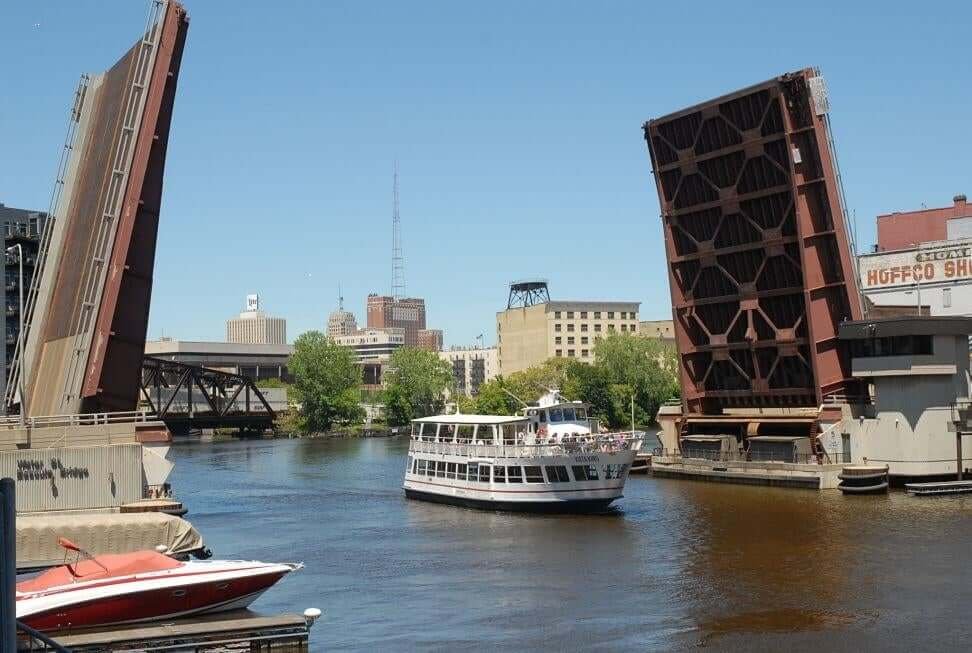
x=517 y=127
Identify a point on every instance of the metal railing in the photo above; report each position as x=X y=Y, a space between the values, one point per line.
x=83 y=419
x=34 y=640
x=748 y=456
x=601 y=444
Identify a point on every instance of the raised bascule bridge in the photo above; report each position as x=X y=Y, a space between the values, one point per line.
x=761 y=269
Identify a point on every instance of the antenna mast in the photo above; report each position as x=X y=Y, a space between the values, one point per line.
x=340 y=298
x=398 y=261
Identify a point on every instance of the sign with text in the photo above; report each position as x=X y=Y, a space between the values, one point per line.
x=927 y=265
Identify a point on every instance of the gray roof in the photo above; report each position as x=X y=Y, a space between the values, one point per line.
x=927 y=325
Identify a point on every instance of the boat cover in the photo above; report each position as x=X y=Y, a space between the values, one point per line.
x=110 y=565
x=100 y=533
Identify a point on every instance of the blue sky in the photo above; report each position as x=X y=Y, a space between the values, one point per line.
x=517 y=126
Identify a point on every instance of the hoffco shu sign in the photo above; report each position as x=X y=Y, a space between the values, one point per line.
x=914 y=267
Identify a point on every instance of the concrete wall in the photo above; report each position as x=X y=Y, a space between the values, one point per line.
x=72 y=478
x=521 y=335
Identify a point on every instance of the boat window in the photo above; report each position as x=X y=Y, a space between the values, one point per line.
x=499 y=474
x=581 y=413
x=484 y=473
x=509 y=433
x=585 y=472
x=473 y=471
x=428 y=432
x=447 y=433
x=543 y=416
x=484 y=434
x=514 y=474
x=415 y=430
x=569 y=415
x=557 y=474
x=461 y=471
x=465 y=433
x=615 y=471
x=451 y=470
x=440 y=468
x=430 y=469
x=533 y=474
x=556 y=415
x=419 y=466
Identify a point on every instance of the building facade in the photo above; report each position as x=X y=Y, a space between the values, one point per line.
x=529 y=335
x=373 y=349
x=257 y=361
x=255 y=327
x=471 y=367
x=907 y=229
x=922 y=264
x=659 y=329
x=341 y=323
x=18 y=227
x=430 y=339
x=407 y=314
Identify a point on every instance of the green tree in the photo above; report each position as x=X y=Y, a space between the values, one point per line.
x=416 y=385
x=327 y=382
x=646 y=368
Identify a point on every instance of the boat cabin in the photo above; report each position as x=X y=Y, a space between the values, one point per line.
x=473 y=429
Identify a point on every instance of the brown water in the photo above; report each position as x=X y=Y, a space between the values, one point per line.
x=682 y=565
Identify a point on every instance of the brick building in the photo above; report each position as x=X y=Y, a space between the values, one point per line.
x=408 y=314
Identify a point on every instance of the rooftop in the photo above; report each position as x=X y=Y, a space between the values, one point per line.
x=470 y=419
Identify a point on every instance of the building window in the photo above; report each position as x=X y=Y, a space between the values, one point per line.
x=597 y=328
x=557 y=340
x=584 y=327
x=570 y=327
x=597 y=315
x=633 y=328
x=610 y=327
x=946 y=297
x=556 y=315
x=610 y=315
x=584 y=353
x=557 y=328
x=570 y=315
x=584 y=340
x=559 y=353
x=583 y=315
x=570 y=340
x=623 y=315
x=570 y=353
x=624 y=327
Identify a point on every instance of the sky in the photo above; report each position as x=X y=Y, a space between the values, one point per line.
x=516 y=126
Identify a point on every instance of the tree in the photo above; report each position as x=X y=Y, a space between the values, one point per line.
x=646 y=368
x=327 y=382
x=416 y=385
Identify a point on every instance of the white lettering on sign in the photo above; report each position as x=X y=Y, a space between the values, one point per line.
x=943 y=263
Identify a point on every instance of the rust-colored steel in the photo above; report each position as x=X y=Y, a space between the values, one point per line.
x=86 y=346
x=118 y=345
x=760 y=265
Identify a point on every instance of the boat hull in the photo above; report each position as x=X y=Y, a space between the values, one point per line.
x=169 y=602
x=555 y=507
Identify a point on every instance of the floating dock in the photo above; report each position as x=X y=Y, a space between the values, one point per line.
x=241 y=630
x=938 y=488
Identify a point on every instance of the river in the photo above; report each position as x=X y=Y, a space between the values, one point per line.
x=681 y=565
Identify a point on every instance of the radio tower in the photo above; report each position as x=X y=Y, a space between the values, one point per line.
x=398 y=262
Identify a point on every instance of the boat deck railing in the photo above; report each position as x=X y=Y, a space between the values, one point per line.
x=755 y=456
x=614 y=443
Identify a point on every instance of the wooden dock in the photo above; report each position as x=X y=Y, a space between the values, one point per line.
x=939 y=488
x=239 y=630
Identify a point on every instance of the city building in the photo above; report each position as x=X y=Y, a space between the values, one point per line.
x=922 y=263
x=341 y=323
x=660 y=329
x=373 y=349
x=906 y=229
x=530 y=334
x=257 y=361
x=407 y=314
x=471 y=367
x=430 y=339
x=255 y=327
x=18 y=227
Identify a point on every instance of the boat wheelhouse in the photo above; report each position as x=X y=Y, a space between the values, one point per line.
x=553 y=458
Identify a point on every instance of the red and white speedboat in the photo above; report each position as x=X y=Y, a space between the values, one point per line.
x=142 y=586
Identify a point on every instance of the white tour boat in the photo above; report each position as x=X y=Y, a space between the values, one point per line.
x=552 y=458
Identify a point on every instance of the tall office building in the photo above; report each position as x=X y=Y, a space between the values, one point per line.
x=255 y=327
x=341 y=323
x=471 y=367
x=408 y=314
x=17 y=227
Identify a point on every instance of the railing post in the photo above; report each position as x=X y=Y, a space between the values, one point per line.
x=8 y=565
